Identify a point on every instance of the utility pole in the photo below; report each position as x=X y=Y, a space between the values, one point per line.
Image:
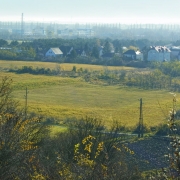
x=140 y=133
x=25 y=112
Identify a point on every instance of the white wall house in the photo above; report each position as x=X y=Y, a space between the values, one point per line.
x=54 y=52
x=159 y=53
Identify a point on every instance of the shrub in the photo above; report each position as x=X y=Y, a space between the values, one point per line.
x=20 y=137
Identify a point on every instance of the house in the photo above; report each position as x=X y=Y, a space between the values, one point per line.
x=129 y=55
x=54 y=52
x=159 y=53
x=132 y=55
x=139 y=56
x=175 y=52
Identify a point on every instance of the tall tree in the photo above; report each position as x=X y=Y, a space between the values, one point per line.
x=87 y=48
x=95 y=52
x=107 y=47
x=3 y=42
x=73 y=54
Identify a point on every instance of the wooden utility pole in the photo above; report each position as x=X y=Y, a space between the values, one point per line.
x=140 y=133
x=26 y=103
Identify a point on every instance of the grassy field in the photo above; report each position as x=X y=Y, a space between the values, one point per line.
x=74 y=98
x=65 y=66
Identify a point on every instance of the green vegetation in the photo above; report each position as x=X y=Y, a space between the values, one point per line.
x=92 y=91
x=83 y=152
x=55 y=96
x=87 y=109
x=110 y=55
x=20 y=136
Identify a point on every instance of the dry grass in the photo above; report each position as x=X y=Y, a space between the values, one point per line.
x=68 y=97
x=67 y=67
x=72 y=97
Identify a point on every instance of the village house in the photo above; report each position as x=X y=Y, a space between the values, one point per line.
x=132 y=55
x=159 y=53
x=54 y=52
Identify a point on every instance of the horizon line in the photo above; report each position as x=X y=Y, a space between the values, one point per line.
x=92 y=20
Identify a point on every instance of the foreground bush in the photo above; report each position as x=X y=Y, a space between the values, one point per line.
x=86 y=151
x=20 y=137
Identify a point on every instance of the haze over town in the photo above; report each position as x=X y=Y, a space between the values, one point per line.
x=91 y=11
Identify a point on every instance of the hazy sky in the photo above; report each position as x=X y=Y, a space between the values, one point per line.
x=105 y=11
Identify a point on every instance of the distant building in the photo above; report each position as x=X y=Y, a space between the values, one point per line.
x=65 y=32
x=17 y=31
x=54 y=52
x=132 y=55
x=159 y=53
x=139 y=56
x=175 y=52
x=85 y=32
x=129 y=55
x=78 y=32
x=39 y=31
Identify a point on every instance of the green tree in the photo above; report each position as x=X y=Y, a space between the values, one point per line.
x=87 y=49
x=3 y=43
x=133 y=48
x=20 y=137
x=14 y=43
x=74 y=69
x=107 y=47
x=73 y=54
x=118 y=46
x=95 y=52
x=145 y=50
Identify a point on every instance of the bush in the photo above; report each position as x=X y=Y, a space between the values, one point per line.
x=21 y=136
x=162 y=130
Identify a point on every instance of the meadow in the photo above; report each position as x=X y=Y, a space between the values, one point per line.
x=66 y=98
x=5 y=64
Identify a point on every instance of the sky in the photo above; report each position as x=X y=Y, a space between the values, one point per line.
x=92 y=11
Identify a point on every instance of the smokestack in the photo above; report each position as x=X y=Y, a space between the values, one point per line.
x=22 y=26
